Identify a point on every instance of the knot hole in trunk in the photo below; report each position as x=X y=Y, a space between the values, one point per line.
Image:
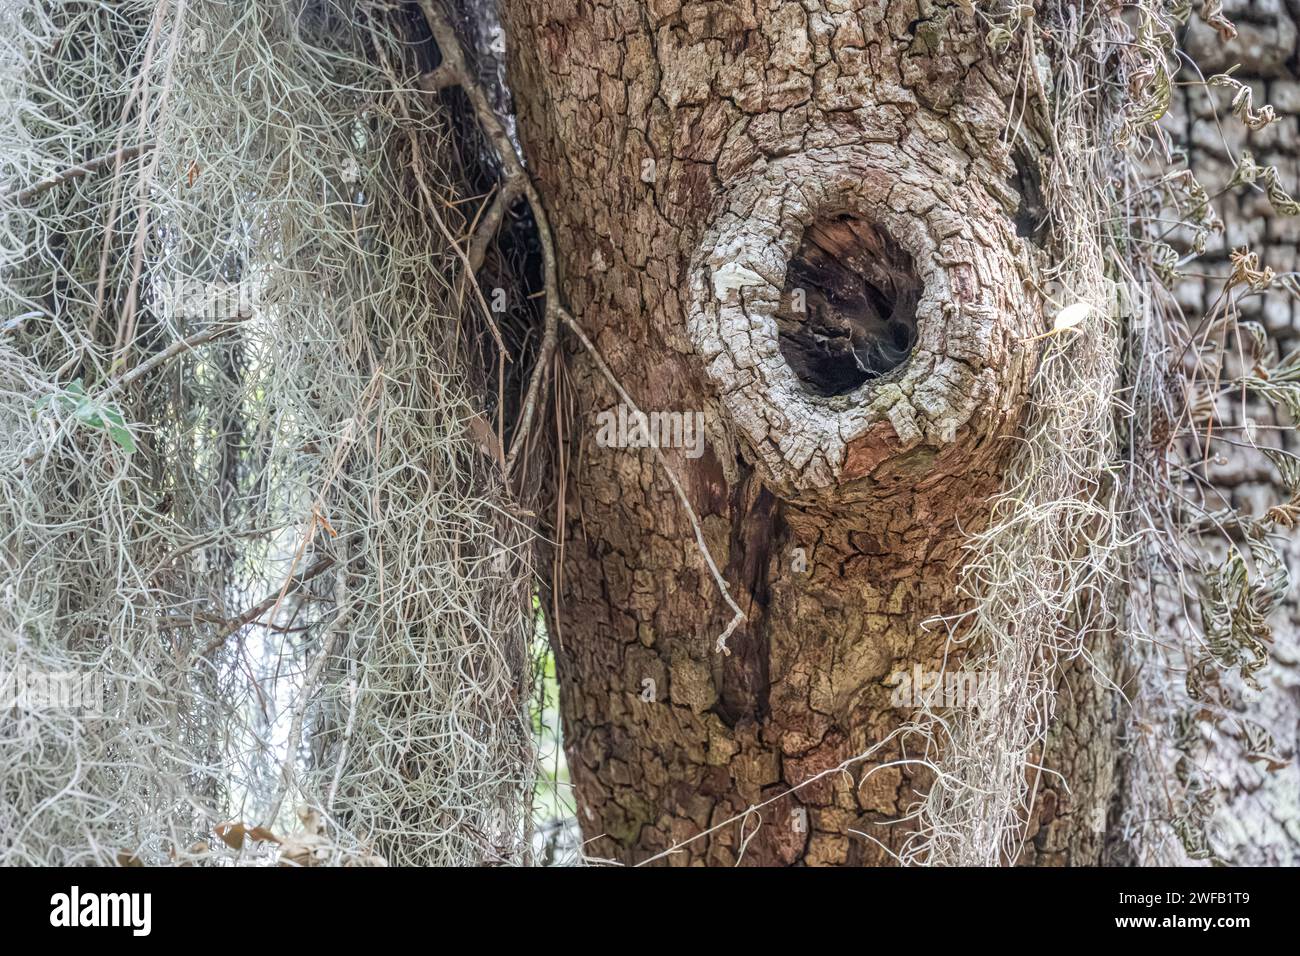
x=848 y=311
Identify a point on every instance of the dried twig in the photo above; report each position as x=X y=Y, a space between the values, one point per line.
x=166 y=355
x=515 y=182
x=126 y=154
x=268 y=602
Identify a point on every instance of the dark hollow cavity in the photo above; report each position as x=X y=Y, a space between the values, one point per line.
x=1031 y=214
x=848 y=311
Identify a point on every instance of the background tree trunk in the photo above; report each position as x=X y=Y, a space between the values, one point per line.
x=1259 y=821
x=706 y=166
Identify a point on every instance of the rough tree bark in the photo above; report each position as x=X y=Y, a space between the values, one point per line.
x=706 y=166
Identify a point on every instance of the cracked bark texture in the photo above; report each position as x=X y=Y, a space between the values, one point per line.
x=683 y=151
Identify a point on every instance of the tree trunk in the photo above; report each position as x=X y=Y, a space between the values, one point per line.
x=1259 y=822
x=801 y=221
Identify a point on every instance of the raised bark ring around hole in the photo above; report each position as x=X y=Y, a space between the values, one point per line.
x=966 y=298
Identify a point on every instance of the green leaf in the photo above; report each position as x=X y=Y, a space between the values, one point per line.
x=113 y=416
x=95 y=414
x=122 y=436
